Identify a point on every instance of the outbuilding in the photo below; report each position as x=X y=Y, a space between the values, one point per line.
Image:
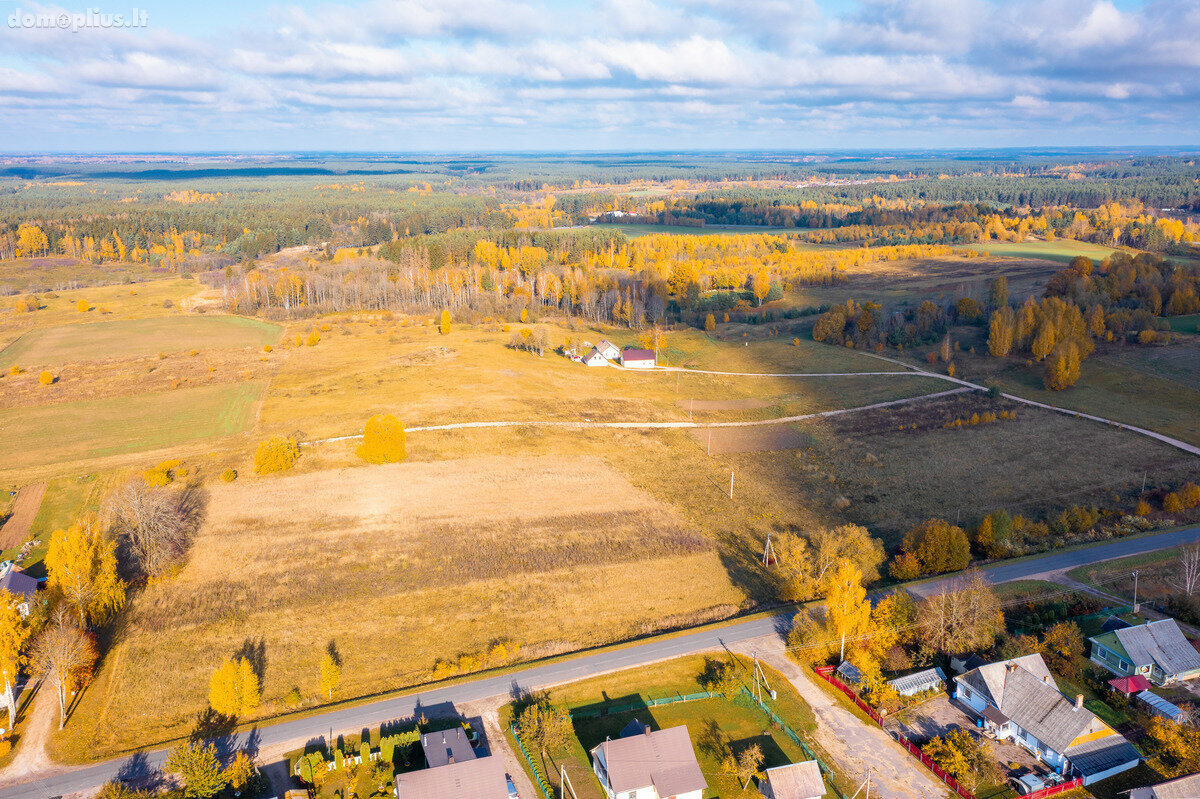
x=794 y=781
x=638 y=359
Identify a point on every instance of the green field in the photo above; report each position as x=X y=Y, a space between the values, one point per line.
x=96 y=428
x=135 y=337
x=645 y=230
x=1184 y=324
x=1062 y=251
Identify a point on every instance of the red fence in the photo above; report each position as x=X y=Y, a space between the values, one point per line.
x=826 y=673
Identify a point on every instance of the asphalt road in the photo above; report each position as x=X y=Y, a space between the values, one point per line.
x=353 y=719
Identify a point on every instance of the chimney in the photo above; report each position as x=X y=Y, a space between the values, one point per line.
x=1078 y=701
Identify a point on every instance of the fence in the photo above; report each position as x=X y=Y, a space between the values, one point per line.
x=533 y=769
x=826 y=673
x=789 y=732
x=614 y=709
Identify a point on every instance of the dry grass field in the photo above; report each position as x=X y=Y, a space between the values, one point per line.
x=131 y=338
x=400 y=565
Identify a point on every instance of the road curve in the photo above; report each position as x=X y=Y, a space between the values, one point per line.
x=353 y=719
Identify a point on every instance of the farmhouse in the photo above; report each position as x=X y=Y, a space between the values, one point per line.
x=21 y=585
x=1018 y=701
x=593 y=358
x=608 y=350
x=454 y=770
x=794 y=781
x=638 y=359
x=1156 y=650
x=649 y=765
x=1182 y=788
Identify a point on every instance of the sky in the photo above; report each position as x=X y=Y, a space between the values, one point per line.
x=538 y=75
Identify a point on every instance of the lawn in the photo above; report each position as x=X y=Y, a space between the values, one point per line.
x=1184 y=324
x=1155 y=571
x=96 y=428
x=65 y=500
x=402 y=565
x=739 y=719
x=1062 y=250
x=129 y=338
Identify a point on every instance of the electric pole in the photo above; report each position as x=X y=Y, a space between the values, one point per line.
x=731 y=485
x=1135 y=582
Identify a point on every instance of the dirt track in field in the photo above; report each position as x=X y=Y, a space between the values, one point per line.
x=29 y=499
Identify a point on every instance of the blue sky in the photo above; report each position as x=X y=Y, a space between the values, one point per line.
x=396 y=75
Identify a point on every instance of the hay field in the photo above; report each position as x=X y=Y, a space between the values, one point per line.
x=1061 y=251
x=401 y=564
x=130 y=338
x=70 y=431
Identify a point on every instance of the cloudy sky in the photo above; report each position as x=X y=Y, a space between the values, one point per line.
x=601 y=74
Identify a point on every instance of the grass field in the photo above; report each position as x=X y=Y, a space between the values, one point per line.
x=43 y=274
x=683 y=230
x=1062 y=250
x=1155 y=571
x=54 y=346
x=53 y=433
x=744 y=724
x=401 y=565
x=1184 y=324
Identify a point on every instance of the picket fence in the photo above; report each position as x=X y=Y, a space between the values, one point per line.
x=827 y=673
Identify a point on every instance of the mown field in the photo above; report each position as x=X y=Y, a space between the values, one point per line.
x=74 y=431
x=400 y=565
x=129 y=338
x=1062 y=250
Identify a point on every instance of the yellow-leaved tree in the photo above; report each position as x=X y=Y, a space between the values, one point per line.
x=331 y=672
x=82 y=566
x=383 y=440
x=234 y=689
x=14 y=638
x=847 y=609
x=276 y=454
x=444 y=323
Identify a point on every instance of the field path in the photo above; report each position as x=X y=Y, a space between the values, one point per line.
x=855 y=745
x=29 y=499
x=31 y=757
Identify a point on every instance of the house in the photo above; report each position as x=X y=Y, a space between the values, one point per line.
x=21 y=585
x=913 y=684
x=1161 y=707
x=608 y=350
x=454 y=770
x=1018 y=701
x=653 y=765
x=594 y=358
x=1182 y=788
x=1130 y=685
x=1157 y=650
x=795 y=781
x=638 y=359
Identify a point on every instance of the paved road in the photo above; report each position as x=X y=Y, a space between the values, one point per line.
x=353 y=719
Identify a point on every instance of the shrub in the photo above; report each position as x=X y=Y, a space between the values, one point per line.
x=276 y=454
x=1172 y=503
x=168 y=304
x=46 y=378
x=83 y=306
x=267 y=348
x=229 y=475
x=314 y=337
x=15 y=370
x=444 y=323
x=710 y=323
x=1143 y=508
x=904 y=567
x=795 y=342
x=294 y=698
x=383 y=440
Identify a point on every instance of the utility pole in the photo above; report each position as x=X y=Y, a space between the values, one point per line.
x=731 y=485
x=842 y=654
x=1135 y=581
x=1143 y=482
x=769 y=552
x=564 y=782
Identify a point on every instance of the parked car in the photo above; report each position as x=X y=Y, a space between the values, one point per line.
x=1027 y=784
x=512 y=788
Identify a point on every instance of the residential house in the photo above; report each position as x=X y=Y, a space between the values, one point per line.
x=650 y=765
x=1182 y=788
x=608 y=350
x=918 y=682
x=794 y=781
x=1019 y=702
x=594 y=358
x=1157 y=650
x=454 y=770
x=21 y=585
x=638 y=359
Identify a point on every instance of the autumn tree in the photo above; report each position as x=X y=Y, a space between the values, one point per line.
x=1186 y=578
x=967 y=615
x=331 y=671
x=852 y=542
x=234 y=688
x=847 y=609
x=546 y=725
x=749 y=761
x=14 y=638
x=154 y=525
x=1001 y=331
x=31 y=241
x=444 y=322
x=968 y=759
x=240 y=772
x=1176 y=747
x=998 y=291
x=82 y=566
x=939 y=546
x=198 y=768
x=794 y=569
x=1063 y=646
x=276 y=454
x=710 y=323
x=384 y=440
x=63 y=656
x=1062 y=369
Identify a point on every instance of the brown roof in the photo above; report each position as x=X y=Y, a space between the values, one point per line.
x=663 y=759
x=481 y=778
x=637 y=355
x=796 y=781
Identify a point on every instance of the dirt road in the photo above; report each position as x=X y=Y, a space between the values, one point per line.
x=29 y=499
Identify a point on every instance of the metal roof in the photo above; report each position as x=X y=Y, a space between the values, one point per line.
x=1159 y=642
x=1183 y=788
x=664 y=759
x=849 y=672
x=919 y=681
x=448 y=746
x=1102 y=754
x=1162 y=706
x=796 y=781
x=18 y=582
x=480 y=778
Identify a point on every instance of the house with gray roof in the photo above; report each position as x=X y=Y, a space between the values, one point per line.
x=793 y=781
x=653 y=765
x=454 y=770
x=20 y=585
x=1182 y=788
x=1157 y=650
x=1018 y=701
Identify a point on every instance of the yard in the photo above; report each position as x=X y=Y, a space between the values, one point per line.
x=739 y=719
